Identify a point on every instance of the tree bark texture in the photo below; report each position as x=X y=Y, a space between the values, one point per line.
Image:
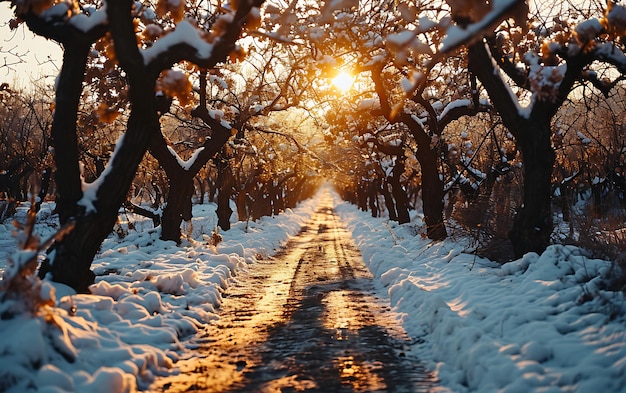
x=225 y=184
x=64 y=133
x=389 y=202
x=178 y=206
x=532 y=224
x=432 y=194
x=400 y=195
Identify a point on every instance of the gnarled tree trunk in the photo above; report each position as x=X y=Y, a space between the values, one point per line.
x=389 y=202
x=225 y=186
x=432 y=193
x=399 y=193
x=178 y=206
x=532 y=225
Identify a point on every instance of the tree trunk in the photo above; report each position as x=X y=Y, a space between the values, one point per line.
x=225 y=184
x=178 y=206
x=46 y=176
x=532 y=225
x=298 y=194
x=432 y=194
x=74 y=253
x=224 y=211
x=181 y=185
x=279 y=200
x=361 y=194
x=241 y=201
x=201 y=189
x=389 y=203
x=399 y=194
x=64 y=139
x=261 y=206
x=372 y=195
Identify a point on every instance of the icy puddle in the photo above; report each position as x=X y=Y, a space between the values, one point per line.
x=306 y=320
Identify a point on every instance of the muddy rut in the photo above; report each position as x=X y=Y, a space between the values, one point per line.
x=305 y=320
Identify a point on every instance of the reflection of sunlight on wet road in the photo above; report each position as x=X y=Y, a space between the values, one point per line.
x=358 y=377
x=305 y=321
x=345 y=321
x=339 y=322
x=288 y=384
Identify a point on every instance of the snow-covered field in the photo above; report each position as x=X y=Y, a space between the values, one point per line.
x=541 y=323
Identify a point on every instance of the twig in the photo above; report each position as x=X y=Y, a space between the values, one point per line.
x=393 y=235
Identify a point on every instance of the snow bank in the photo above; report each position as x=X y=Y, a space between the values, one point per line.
x=541 y=323
x=149 y=298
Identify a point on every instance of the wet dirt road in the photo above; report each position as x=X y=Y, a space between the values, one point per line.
x=305 y=320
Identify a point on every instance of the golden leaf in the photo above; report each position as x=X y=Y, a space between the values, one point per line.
x=237 y=55
x=106 y=114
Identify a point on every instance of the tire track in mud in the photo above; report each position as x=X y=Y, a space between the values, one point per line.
x=305 y=320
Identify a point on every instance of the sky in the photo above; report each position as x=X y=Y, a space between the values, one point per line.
x=542 y=323
x=41 y=57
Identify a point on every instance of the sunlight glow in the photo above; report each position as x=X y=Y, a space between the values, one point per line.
x=343 y=81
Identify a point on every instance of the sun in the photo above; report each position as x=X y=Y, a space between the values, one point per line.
x=343 y=81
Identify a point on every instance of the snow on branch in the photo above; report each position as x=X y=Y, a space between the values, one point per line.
x=610 y=53
x=204 y=49
x=89 y=201
x=461 y=103
x=62 y=24
x=188 y=163
x=457 y=36
x=86 y=23
x=185 y=34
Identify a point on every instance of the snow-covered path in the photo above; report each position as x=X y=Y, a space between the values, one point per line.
x=307 y=319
